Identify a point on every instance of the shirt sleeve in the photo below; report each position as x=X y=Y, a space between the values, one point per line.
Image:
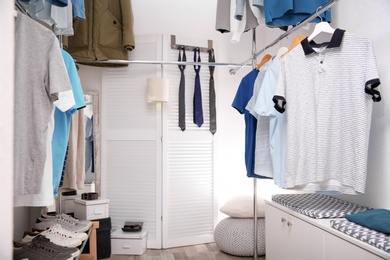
x=239 y=101
x=279 y=98
x=372 y=77
x=58 y=79
x=264 y=105
x=74 y=81
x=127 y=25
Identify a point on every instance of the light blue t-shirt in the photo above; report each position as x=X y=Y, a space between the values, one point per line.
x=62 y=121
x=264 y=106
x=263 y=162
x=292 y=12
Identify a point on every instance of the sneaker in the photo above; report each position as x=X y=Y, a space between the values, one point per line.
x=73 y=251
x=39 y=252
x=68 y=217
x=57 y=235
x=64 y=222
x=29 y=236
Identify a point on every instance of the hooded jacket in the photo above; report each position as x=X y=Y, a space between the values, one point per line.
x=107 y=32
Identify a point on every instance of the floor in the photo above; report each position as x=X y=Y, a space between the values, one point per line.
x=196 y=252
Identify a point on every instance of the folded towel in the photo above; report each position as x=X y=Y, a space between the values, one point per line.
x=375 y=219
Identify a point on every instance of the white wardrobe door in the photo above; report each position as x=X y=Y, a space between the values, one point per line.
x=155 y=172
x=133 y=142
x=189 y=208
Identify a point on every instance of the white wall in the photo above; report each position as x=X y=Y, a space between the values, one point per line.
x=6 y=126
x=196 y=19
x=371 y=18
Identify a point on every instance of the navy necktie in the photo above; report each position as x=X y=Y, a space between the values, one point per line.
x=212 y=108
x=198 y=110
x=182 y=91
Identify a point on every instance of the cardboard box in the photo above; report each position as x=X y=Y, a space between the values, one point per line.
x=128 y=243
x=91 y=209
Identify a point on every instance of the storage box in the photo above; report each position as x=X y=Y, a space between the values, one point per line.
x=128 y=243
x=103 y=239
x=91 y=209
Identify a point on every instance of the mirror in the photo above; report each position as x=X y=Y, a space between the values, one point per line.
x=92 y=141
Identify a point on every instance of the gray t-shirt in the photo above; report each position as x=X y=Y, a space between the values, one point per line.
x=40 y=75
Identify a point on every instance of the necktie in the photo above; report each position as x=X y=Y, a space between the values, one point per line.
x=198 y=111
x=213 y=112
x=182 y=91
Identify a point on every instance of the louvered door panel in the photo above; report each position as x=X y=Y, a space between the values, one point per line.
x=188 y=189
x=133 y=142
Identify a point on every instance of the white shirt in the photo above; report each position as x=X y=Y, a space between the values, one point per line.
x=328 y=107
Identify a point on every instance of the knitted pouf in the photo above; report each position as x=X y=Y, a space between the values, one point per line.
x=235 y=236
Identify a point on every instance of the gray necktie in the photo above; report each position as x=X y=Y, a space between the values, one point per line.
x=213 y=113
x=182 y=91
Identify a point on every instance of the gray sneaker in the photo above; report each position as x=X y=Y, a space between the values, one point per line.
x=65 y=223
x=74 y=252
x=69 y=218
x=39 y=252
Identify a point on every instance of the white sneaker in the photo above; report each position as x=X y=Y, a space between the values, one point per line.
x=64 y=222
x=57 y=235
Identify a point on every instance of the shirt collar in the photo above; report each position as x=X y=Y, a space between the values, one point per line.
x=336 y=40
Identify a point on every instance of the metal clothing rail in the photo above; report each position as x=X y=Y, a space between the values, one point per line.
x=284 y=35
x=124 y=62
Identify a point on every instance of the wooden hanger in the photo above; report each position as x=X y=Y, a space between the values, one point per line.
x=263 y=61
x=295 y=43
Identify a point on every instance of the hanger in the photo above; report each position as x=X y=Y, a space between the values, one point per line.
x=295 y=43
x=263 y=61
x=281 y=51
x=321 y=27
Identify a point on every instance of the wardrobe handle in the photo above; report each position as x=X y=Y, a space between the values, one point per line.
x=289 y=223
x=283 y=220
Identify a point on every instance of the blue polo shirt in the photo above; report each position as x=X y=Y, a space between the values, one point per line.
x=243 y=95
x=291 y=12
x=62 y=121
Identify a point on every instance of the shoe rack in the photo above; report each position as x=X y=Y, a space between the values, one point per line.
x=92 y=255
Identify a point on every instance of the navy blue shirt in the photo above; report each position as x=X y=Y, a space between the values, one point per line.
x=243 y=95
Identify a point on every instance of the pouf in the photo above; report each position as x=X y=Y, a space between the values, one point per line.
x=235 y=236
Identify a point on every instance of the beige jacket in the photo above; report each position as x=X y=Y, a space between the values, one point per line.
x=107 y=32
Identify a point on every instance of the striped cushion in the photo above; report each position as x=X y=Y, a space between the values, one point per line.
x=372 y=237
x=318 y=205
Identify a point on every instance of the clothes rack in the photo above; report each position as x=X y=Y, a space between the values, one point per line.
x=284 y=35
x=253 y=59
x=162 y=63
x=237 y=66
x=255 y=229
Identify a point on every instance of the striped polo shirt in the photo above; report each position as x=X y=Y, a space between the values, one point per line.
x=327 y=91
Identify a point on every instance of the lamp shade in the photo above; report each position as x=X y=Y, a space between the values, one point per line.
x=158 y=90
